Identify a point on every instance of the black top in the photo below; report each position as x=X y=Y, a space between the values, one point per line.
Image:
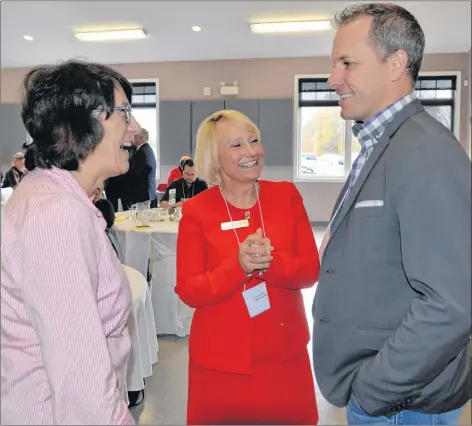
x=13 y=178
x=142 y=175
x=183 y=190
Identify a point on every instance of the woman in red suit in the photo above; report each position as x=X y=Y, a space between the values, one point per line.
x=245 y=250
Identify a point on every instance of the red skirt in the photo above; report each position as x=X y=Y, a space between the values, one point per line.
x=274 y=394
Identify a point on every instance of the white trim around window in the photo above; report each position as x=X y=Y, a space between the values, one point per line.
x=457 y=96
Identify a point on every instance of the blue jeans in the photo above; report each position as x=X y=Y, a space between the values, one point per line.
x=357 y=416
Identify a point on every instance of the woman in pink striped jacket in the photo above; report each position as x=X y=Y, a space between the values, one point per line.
x=64 y=295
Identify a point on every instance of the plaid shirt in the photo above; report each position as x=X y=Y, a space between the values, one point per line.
x=369 y=133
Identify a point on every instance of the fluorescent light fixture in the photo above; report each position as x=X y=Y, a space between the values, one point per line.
x=28 y=37
x=289 y=27
x=196 y=28
x=110 y=35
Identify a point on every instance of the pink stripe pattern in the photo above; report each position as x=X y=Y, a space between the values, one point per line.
x=65 y=301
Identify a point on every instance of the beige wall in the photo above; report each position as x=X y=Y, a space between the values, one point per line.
x=258 y=79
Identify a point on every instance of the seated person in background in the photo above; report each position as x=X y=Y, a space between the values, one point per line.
x=17 y=172
x=186 y=187
x=176 y=172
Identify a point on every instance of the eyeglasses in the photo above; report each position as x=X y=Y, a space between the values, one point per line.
x=125 y=108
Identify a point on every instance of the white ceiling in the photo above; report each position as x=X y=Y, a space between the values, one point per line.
x=225 y=34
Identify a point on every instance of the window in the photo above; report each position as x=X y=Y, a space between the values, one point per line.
x=437 y=94
x=325 y=147
x=145 y=105
x=324 y=140
x=144 y=95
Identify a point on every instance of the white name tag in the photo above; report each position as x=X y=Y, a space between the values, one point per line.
x=172 y=195
x=235 y=224
x=257 y=299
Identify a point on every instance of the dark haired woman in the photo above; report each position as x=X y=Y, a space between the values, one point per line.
x=64 y=296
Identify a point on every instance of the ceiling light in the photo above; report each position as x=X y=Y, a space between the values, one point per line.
x=288 y=27
x=28 y=37
x=110 y=35
x=196 y=28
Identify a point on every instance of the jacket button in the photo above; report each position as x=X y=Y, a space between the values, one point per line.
x=281 y=323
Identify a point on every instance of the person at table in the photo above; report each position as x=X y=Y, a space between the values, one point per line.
x=186 y=187
x=65 y=298
x=248 y=358
x=177 y=172
x=17 y=172
x=142 y=171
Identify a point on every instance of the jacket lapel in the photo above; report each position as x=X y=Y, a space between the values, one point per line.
x=408 y=111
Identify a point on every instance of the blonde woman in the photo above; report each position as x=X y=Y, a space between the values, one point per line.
x=250 y=259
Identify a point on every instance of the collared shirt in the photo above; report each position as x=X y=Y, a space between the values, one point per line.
x=65 y=302
x=369 y=133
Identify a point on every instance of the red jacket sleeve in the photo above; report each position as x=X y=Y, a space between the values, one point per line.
x=196 y=286
x=300 y=268
x=174 y=174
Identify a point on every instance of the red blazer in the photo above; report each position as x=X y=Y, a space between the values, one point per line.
x=210 y=278
x=174 y=174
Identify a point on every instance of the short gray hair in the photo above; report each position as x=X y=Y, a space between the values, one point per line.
x=393 y=28
x=145 y=133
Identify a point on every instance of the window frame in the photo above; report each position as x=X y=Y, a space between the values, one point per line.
x=156 y=106
x=297 y=137
x=348 y=125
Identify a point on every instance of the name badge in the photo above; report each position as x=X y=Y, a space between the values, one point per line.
x=257 y=299
x=172 y=195
x=235 y=224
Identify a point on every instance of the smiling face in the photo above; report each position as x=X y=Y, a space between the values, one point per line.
x=362 y=79
x=240 y=152
x=109 y=156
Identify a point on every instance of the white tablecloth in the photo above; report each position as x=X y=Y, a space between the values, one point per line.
x=6 y=193
x=142 y=331
x=156 y=247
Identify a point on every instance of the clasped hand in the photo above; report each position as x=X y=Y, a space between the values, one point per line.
x=255 y=253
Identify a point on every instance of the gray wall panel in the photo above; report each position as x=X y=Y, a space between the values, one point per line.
x=200 y=111
x=12 y=132
x=276 y=125
x=249 y=107
x=175 y=131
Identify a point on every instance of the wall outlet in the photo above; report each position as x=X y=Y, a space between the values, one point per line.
x=207 y=91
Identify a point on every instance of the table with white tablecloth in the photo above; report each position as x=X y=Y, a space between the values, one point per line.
x=142 y=331
x=153 y=249
x=6 y=193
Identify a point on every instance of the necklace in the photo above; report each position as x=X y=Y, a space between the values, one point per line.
x=184 y=193
x=247 y=216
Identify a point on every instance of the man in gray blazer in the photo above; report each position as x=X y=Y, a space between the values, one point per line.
x=392 y=309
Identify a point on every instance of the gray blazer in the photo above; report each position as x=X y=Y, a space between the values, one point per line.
x=392 y=312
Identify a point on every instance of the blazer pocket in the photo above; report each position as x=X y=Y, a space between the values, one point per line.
x=368 y=211
x=372 y=338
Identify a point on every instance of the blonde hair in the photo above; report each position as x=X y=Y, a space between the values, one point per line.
x=206 y=150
